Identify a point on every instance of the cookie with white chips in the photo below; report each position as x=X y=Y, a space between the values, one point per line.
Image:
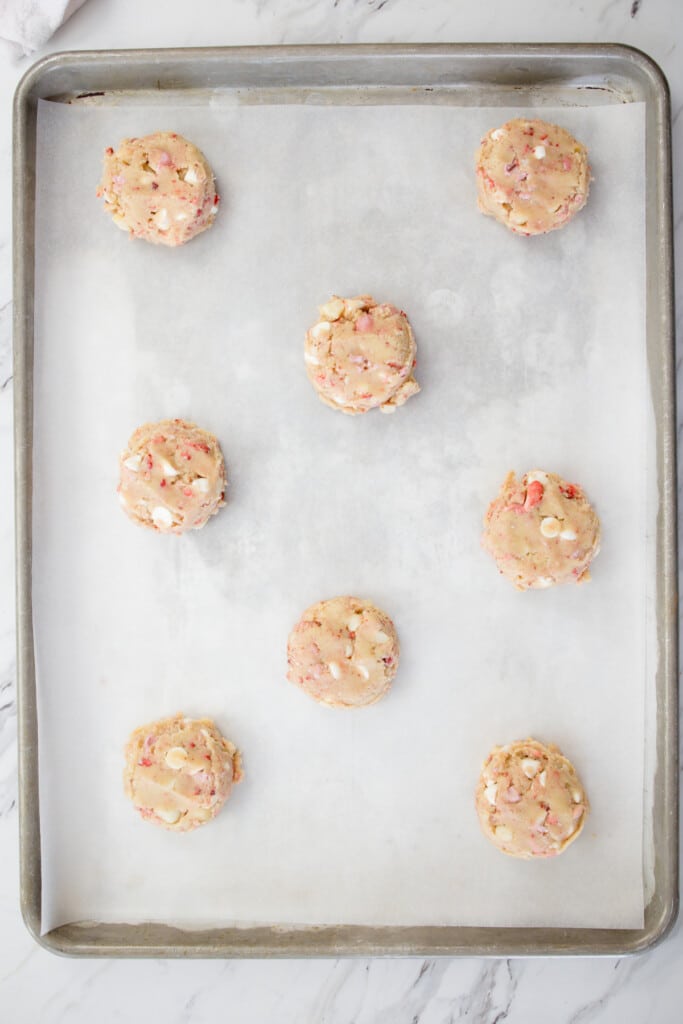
x=159 y=188
x=180 y=771
x=360 y=355
x=530 y=800
x=541 y=531
x=343 y=652
x=532 y=176
x=172 y=476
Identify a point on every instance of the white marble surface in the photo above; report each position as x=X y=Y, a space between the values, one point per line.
x=38 y=987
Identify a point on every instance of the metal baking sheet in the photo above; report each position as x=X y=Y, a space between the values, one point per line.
x=490 y=76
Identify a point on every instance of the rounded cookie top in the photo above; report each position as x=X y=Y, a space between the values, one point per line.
x=541 y=531
x=343 y=652
x=531 y=176
x=529 y=800
x=159 y=188
x=360 y=355
x=179 y=772
x=172 y=476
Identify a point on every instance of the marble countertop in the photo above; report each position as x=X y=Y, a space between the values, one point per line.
x=38 y=987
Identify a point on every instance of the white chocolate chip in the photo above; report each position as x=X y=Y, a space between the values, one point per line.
x=503 y=833
x=335 y=670
x=364 y=671
x=163 y=221
x=381 y=637
x=310 y=358
x=550 y=526
x=542 y=777
x=490 y=792
x=169 y=816
x=176 y=757
x=543 y=582
x=539 y=152
x=530 y=766
x=168 y=469
x=568 y=535
x=191 y=176
x=353 y=623
x=355 y=305
x=348 y=650
x=133 y=462
x=497 y=133
x=201 y=484
x=214 y=210
x=123 y=500
x=161 y=516
x=576 y=796
x=537 y=474
x=321 y=330
x=181 y=215
x=332 y=310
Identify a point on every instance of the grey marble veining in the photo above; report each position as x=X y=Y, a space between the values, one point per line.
x=37 y=987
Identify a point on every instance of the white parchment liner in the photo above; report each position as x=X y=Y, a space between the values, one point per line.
x=531 y=353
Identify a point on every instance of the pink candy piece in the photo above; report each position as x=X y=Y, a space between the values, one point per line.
x=364 y=323
x=534 y=494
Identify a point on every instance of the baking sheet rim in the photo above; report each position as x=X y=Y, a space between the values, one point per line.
x=155 y=940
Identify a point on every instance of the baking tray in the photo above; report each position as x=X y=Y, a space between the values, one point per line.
x=469 y=74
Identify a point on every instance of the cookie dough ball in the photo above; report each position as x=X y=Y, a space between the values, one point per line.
x=360 y=355
x=159 y=188
x=529 y=800
x=532 y=176
x=172 y=476
x=343 y=652
x=541 y=531
x=180 y=771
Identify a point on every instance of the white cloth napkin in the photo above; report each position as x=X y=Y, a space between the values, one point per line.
x=30 y=23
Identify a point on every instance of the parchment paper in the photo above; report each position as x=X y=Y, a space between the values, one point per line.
x=531 y=353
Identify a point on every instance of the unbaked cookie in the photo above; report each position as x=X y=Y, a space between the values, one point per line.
x=172 y=476
x=541 y=531
x=180 y=771
x=529 y=800
x=343 y=652
x=360 y=355
x=159 y=188
x=531 y=176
